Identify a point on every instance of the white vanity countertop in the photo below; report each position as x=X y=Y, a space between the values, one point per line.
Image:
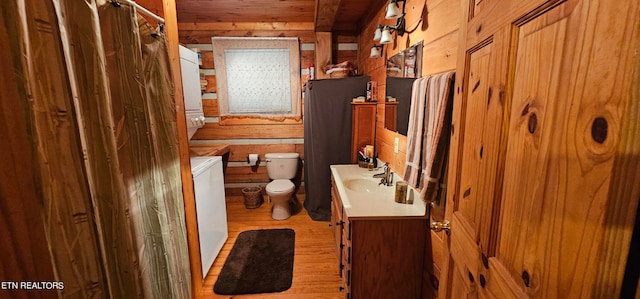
x=362 y=197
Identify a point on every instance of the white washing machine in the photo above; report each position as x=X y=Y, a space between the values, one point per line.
x=191 y=90
x=211 y=210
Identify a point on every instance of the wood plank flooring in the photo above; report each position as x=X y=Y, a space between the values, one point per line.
x=315 y=269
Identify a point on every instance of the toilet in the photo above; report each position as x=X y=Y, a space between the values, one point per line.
x=281 y=168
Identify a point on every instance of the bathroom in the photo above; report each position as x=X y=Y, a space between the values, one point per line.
x=513 y=137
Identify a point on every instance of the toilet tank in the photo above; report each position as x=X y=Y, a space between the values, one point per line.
x=282 y=165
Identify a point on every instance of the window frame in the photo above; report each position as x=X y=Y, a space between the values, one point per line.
x=220 y=44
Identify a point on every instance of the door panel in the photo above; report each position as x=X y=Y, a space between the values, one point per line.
x=480 y=165
x=465 y=251
x=461 y=285
x=471 y=203
x=557 y=181
x=543 y=189
x=534 y=151
x=502 y=284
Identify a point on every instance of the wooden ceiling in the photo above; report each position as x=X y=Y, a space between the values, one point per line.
x=345 y=17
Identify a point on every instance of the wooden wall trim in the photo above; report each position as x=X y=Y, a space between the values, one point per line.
x=171 y=29
x=323 y=53
x=204 y=36
x=325 y=15
x=251 y=26
x=211 y=108
x=215 y=131
x=239 y=152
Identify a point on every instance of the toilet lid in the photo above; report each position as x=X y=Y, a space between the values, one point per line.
x=280 y=186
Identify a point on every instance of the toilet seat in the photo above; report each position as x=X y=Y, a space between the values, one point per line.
x=280 y=186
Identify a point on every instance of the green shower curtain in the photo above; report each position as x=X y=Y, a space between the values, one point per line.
x=142 y=95
x=100 y=118
x=160 y=94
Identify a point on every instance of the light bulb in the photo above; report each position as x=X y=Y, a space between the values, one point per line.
x=386 y=37
x=393 y=11
x=377 y=34
x=375 y=53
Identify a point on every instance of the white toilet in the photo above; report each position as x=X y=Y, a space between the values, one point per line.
x=281 y=168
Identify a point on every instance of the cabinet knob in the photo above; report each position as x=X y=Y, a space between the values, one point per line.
x=341 y=288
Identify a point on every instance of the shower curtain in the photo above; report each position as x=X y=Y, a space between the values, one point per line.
x=142 y=106
x=97 y=123
x=327 y=137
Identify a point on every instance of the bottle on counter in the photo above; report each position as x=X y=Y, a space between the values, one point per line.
x=401 y=192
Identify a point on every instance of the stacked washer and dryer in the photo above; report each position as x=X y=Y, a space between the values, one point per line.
x=208 y=178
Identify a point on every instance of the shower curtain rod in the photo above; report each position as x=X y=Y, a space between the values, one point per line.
x=143 y=10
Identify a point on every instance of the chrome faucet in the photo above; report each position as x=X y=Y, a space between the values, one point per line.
x=386 y=177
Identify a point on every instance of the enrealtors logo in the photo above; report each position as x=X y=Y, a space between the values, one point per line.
x=32 y=285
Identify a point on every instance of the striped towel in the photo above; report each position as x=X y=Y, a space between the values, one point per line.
x=429 y=117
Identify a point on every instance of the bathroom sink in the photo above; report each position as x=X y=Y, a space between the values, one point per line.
x=363 y=196
x=365 y=185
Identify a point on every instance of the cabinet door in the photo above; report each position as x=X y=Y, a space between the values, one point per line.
x=336 y=220
x=544 y=167
x=363 y=127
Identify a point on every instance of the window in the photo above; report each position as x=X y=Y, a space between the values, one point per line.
x=258 y=80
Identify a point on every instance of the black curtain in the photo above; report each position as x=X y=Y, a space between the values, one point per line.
x=327 y=137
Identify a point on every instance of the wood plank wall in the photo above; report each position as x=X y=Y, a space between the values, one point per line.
x=259 y=139
x=439 y=31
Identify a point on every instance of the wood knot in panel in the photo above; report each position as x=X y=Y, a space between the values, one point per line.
x=485 y=261
x=533 y=123
x=525 y=278
x=475 y=86
x=599 y=130
x=466 y=193
x=434 y=282
x=525 y=110
x=599 y=145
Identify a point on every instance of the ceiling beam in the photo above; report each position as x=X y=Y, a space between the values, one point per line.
x=325 y=16
x=247 y=26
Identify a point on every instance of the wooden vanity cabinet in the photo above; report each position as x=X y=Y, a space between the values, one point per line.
x=379 y=257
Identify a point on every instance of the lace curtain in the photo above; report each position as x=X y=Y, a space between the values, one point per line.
x=258 y=77
x=258 y=81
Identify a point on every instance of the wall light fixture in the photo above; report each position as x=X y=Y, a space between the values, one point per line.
x=383 y=32
x=376 y=51
x=393 y=12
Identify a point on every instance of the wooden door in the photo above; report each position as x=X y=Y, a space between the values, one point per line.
x=544 y=172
